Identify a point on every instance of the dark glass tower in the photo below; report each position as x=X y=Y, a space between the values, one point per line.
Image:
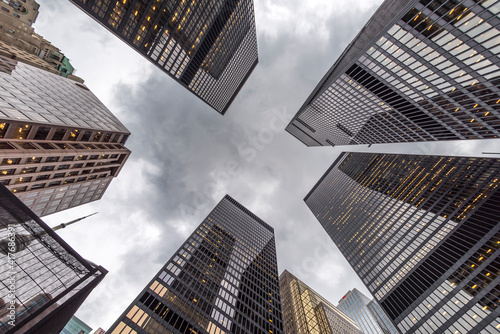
x=223 y=279
x=209 y=47
x=44 y=281
x=421 y=232
x=418 y=71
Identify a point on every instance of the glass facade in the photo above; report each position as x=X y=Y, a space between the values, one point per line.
x=421 y=232
x=306 y=311
x=60 y=147
x=76 y=326
x=223 y=279
x=419 y=71
x=366 y=313
x=44 y=281
x=210 y=47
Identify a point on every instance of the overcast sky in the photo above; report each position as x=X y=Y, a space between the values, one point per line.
x=186 y=156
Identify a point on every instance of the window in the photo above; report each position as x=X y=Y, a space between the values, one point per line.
x=22 y=180
x=124 y=139
x=7 y=171
x=52 y=159
x=33 y=160
x=22 y=132
x=46 y=146
x=68 y=158
x=9 y=161
x=59 y=134
x=97 y=136
x=3 y=129
x=42 y=133
x=107 y=137
x=86 y=135
x=73 y=135
x=19 y=189
x=28 y=170
x=27 y=146
x=64 y=146
x=6 y=146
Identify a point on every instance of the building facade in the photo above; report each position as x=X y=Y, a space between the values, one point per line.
x=366 y=313
x=306 y=311
x=422 y=234
x=59 y=145
x=44 y=280
x=418 y=71
x=209 y=47
x=76 y=326
x=223 y=279
x=19 y=41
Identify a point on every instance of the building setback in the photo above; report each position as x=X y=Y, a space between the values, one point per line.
x=209 y=47
x=366 y=313
x=421 y=232
x=44 y=281
x=59 y=145
x=306 y=311
x=418 y=71
x=223 y=279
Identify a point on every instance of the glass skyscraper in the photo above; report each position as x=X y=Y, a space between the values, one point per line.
x=60 y=147
x=223 y=279
x=44 y=281
x=209 y=47
x=418 y=71
x=76 y=326
x=306 y=311
x=366 y=313
x=421 y=232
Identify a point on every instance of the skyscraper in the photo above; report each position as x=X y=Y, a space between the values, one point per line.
x=421 y=232
x=44 y=280
x=76 y=326
x=306 y=311
x=59 y=145
x=18 y=39
x=209 y=47
x=418 y=71
x=223 y=279
x=366 y=313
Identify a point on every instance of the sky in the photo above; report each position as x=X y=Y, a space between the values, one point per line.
x=186 y=156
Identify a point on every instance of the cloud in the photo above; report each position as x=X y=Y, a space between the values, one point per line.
x=185 y=155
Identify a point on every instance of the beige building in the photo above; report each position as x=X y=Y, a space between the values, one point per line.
x=18 y=40
x=307 y=312
x=60 y=147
